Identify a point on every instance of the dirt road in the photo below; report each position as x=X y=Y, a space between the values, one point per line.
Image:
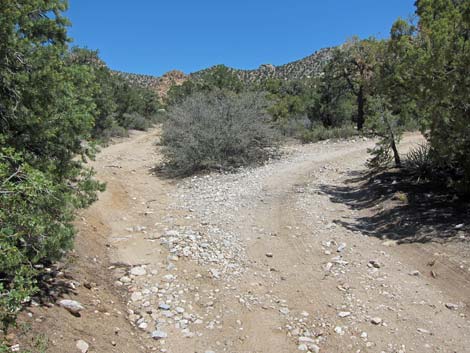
x=280 y=258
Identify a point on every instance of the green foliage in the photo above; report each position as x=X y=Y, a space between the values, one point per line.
x=47 y=111
x=419 y=161
x=320 y=133
x=217 y=130
x=442 y=80
x=351 y=72
x=119 y=105
x=332 y=106
x=383 y=123
x=219 y=77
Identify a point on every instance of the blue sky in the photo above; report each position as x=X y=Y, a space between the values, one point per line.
x=155 y=36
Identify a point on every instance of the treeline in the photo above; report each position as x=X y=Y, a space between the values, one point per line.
x=55 y=104
x=119 y=105
x=419 y=78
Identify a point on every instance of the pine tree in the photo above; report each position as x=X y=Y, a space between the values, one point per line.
x=46 y=116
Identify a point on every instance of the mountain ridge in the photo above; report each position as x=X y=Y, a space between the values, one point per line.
x=306 y=67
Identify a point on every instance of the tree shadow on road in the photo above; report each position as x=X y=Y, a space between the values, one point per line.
x=392 y=206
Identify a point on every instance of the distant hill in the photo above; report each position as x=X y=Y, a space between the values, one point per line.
x=160 y=85
x=309 y=66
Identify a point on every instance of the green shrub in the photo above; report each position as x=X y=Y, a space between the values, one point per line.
x=419 y=161
x=320 y=133
x=46 y=115
x=217 y=131
x=135 y=121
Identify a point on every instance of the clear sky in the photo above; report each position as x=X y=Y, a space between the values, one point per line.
x=155 y=36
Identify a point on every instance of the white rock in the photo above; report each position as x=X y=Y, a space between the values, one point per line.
x=376 y=320
x=451 y=306
x=168 y=278
x=82 y=346
x=71 y=305
x=344 y=314
x=339 y=330
x=158 y=334
x=136 y=296
x=313 y=348
x=125 y=279
x=164 y=306
x=138 y=271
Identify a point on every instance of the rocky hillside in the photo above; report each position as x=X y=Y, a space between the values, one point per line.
x=307 y=67
x=160 y=85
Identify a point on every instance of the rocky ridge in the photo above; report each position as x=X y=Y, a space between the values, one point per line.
x=309 y=66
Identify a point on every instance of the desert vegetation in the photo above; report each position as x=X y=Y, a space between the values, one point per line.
x=58 y=103
x=217 y=130
x=416 y=79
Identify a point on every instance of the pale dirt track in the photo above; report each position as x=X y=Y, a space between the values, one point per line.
x=282 y=278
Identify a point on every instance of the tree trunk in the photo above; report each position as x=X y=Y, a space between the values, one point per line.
x=393 y=144
x=396 y=156
x=360 y=109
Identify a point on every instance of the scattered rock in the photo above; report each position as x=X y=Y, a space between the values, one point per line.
x=138 y=271
x=82 y=346
x=339 y=330
x=164 y=306
x=344 y=314
x=158 y=335
x=168 y=278
x=306 y=340
x=341 y=247
x=374 y=263
x=376 y=320
x=136 y=296
x=72 y=306
x=451 y=306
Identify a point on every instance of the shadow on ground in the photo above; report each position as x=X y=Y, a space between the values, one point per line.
x=394 y=207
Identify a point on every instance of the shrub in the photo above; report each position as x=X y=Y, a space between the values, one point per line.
x=293 y=127
x=320 y=133
x=46 y=114
x=217 y=130
x=419 y=161
x=135 y=121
